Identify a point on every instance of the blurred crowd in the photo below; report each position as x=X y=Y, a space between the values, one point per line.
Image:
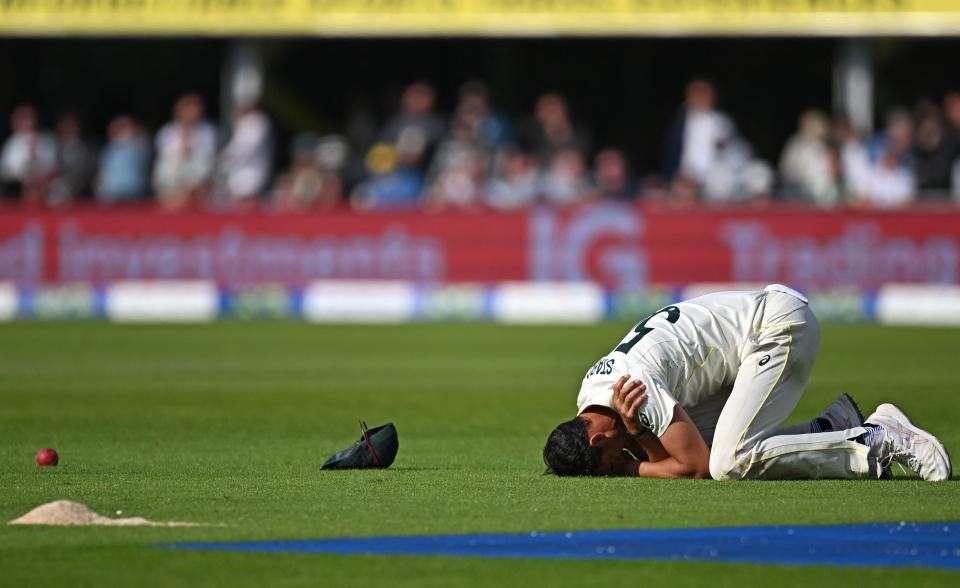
x=477 y=157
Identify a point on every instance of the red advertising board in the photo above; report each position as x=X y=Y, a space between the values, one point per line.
x=617 y=245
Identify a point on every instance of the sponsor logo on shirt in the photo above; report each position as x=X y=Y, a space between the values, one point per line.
x=644 y=420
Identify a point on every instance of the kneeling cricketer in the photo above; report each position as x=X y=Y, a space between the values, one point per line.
x=701 y=389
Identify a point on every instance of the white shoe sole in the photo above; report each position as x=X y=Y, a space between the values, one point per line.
x=893 y=412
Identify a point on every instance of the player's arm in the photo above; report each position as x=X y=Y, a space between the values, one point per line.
x=689 y=456
x=680 y=452
x=650 y=445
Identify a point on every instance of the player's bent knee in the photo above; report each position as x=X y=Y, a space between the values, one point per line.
x=723 y=468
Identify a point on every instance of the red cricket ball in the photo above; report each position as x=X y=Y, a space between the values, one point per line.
x=47 y=457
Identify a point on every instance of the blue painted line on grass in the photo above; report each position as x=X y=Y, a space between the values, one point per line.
x=932 y=545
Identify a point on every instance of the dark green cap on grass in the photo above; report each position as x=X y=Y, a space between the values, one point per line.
x=376 y=448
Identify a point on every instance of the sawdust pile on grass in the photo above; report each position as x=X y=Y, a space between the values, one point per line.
x=66 y=513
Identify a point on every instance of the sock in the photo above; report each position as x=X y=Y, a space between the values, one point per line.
x=820 y=425
x=873 y=439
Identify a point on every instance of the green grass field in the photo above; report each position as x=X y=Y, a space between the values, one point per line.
x=229 y=423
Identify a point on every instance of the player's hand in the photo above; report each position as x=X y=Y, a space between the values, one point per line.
x=628 y=396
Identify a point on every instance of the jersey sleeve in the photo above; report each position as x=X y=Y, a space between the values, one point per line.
x=656 y=413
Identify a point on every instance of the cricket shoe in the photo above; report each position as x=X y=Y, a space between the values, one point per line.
x=843 y=414
x=910 y=446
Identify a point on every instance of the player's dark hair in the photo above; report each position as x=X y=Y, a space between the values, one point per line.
x=568 y=451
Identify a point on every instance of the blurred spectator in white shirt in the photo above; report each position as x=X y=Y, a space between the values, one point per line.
x=75 y=162
x=552 y=130
x=757 y=181
x=460 y=183
x=611 y=176
x=514 y=183
x=695 y=137
x=29 y=157
x=124 y=163
x=890 y=184
x=807 y=167
x=892 y=181
x=853 y=161
x=565 y=181
x=186 y=153
x=735 y=175
x=244 y=164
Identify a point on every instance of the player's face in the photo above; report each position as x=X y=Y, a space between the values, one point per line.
x=614 y=458
x=607 y=432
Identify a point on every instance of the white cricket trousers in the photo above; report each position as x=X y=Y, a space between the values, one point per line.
x=775 y=365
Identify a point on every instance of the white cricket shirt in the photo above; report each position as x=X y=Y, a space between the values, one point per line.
x=687 y=353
